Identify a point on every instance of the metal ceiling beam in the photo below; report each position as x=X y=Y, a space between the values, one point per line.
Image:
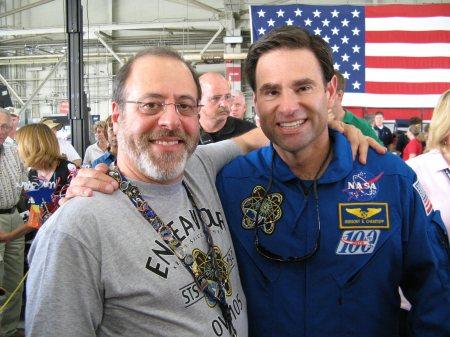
x=198 y=4
x=22 y=110
x=11 y=90
x=109 y=48
x=17 y=10
x=212 y=40
x=202 y=24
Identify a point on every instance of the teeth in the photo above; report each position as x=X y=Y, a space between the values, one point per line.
x=292 y=124
x=160 y=142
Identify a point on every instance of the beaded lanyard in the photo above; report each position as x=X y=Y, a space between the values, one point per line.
x=212 y=285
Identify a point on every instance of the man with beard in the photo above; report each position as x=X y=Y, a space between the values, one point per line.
x=215 y=121
x=155 y=257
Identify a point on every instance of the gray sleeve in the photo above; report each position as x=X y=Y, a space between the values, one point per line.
x=70 y=152
x=64 y=291
x=218 y=154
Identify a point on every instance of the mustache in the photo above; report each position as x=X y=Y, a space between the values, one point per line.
x=224 y=109
x=152 y=135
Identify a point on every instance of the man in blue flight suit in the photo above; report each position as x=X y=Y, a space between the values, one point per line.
x=323 y=242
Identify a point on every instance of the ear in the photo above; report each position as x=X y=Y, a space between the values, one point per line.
x=331 y=90
x=115 y=115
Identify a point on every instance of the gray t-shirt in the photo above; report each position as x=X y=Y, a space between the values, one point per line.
x=99 y=269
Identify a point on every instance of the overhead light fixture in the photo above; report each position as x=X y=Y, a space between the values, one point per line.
x=232 y=39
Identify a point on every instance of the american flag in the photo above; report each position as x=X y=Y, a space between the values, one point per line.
x=391 y=55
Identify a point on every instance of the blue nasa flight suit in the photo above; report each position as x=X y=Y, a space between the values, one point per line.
x=377 y=232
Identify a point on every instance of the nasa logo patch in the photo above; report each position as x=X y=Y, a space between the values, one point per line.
x=358 y=242
x=362 y=186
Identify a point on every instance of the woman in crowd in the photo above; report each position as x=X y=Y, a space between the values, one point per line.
x=414 y=146
x=98 y=148
x=48 y=177
x=433 y=167
x=110 y=155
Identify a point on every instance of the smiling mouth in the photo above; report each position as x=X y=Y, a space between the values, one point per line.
x=292 y=125
x=167 y=143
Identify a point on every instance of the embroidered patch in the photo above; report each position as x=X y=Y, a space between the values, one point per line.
x=358 y=242
x=364 y=215
x=269 y=210
x=210 y=275
x=424 y=197
x=362 y=186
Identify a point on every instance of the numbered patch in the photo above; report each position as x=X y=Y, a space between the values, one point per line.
x=358 y=242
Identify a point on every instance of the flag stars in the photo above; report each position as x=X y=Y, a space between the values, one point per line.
x=335 y=31
x=298 y=12
x=307 y=22
x=344 y=39
x=335 y=13
x=356 y=85
x=355 y=13
x=317 y=31
x=335 y=48
x=271 y=23
x=261 y=13
x=346 y=75
x=317 y=13
x=336 y=66
x=261 y=31
x=345 y=23
x=356 y=31
x=325 y=23
x=326 y=39
x=289 y=22
x=356 y=48
x=345 y=57
x=356 y=66
x=280 y=13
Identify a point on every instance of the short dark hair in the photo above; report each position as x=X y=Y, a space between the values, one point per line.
x=124 y=72
x=378 y=113
x=340 y=81
x=289 y=37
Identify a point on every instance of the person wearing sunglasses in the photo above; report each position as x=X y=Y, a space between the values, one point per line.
x=323 y=243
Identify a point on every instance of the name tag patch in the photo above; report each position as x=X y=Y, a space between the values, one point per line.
x=364 y=215
x=358 y=242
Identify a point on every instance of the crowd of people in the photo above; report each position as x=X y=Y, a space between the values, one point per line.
x=200 y=223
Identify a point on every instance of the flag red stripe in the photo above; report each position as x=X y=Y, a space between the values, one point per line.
x=432 y=36
x=406 y=88
x=407 y=10
x=407 y=62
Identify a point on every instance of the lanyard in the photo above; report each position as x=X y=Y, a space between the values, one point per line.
x=447 y=172
x=211 y=283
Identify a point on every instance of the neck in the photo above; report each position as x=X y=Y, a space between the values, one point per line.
x=309 y=163
x=133 y=172
x=212 y=125
x=46 y=173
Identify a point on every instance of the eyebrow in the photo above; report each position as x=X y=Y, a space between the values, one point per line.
x=158 y=96
x=297 y=83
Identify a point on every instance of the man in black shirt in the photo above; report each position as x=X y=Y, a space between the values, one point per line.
x=383 y=132
x=215 y=121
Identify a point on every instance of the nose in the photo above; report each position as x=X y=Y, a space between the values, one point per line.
x=288 y=102
x=169 y=119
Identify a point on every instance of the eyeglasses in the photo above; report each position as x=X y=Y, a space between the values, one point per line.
x=154 y=108
x=277 y=257
x=5 y=127
x=217 y=98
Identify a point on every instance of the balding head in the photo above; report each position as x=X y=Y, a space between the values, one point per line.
x=216 y=101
